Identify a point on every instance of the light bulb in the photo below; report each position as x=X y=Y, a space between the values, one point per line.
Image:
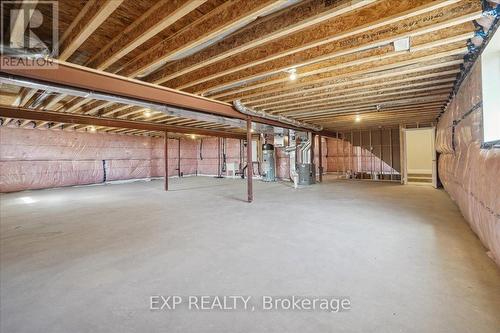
x=357 y=119
x=147 y=114
x=92 y=129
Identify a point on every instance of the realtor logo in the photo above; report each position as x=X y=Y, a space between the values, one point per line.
x=29 y=34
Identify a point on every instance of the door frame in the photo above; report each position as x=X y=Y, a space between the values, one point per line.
x=404 y=163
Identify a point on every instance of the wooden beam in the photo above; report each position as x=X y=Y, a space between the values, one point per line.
x=93 y=15
x=371 y=107
x=333 y=112
x=115 y=110
x=373 y=25
x=21 y=23
x=342 y=100
x=160 y=16
x=74 y=106
x=53 y=101
x=448 y=64
x=396 y=64
x=447 y=38
x=96 y=107
x=419 y=107
x=264 y=30
x=413 y=110
x=351 y=90
x=225 y=17
x=71 y=118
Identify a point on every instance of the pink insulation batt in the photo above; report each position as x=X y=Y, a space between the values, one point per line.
x=34 y=159
x=469 y=174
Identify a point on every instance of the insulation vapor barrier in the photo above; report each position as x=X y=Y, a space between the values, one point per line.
x=470 y=174
x=35 y=159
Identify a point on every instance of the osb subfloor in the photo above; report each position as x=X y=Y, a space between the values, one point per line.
x=88 y=259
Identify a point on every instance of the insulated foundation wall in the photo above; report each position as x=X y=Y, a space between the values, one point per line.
x=469 y=174
x=365 y=153
x=34 y=158
x=40 y=158
x=212 y=151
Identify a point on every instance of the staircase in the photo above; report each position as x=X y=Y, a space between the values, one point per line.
x=420 y=178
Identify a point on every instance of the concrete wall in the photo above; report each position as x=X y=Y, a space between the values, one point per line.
x=469 y=174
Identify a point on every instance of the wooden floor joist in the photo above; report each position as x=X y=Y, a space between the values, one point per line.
x=357 y=59
x=270 y=28
x=316 y=61
x=157 y=18
x=362 y=28
x=222 y=19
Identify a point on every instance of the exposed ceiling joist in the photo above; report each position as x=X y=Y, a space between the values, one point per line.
x=91 y=17
x=221 y=19
x=275 y=26
x=379 y=23
x=156 y=19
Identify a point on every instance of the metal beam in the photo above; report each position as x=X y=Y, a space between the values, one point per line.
x=249 y=160
x=166 y=160
x=320 y=153
x=71 y=75
x=79 y=119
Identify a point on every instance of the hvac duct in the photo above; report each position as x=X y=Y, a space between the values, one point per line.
x=251 y=112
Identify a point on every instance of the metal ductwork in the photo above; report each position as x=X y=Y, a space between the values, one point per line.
x=252 y=112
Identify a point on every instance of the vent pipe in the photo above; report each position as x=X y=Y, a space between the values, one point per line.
x=252 y=112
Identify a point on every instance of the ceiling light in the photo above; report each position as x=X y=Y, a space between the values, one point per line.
x=147 y=113
x=92 y=129
x=293 y=74
x=358 y=118
x=193 y=136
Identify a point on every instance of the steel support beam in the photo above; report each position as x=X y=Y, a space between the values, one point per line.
x=71 y=118
x=71 y=75
x=165 y=155
x=249 y=160
x=313 y=146
x=320 y=163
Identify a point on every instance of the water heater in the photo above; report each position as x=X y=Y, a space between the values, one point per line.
x=268 y=163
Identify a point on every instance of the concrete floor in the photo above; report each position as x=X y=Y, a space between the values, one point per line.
x=88 y=259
